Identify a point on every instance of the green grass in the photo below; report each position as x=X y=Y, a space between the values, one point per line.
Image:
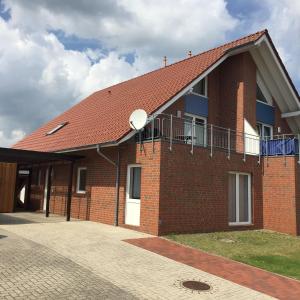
x=275 y=252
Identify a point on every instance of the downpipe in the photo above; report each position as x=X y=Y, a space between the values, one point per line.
x=117 y=166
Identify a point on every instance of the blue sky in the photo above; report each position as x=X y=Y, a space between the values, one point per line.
x=55 y=53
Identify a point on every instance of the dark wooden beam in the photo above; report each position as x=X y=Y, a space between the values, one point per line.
x=28 y=190
x=69 y=197
x=27 y=156
x=16 y=189
x=48 y=191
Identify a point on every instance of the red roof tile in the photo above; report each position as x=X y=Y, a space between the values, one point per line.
x=103 y=116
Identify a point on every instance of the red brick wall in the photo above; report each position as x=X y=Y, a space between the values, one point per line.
x=194 y=189
x=183 y=192
x=98 y=204
x=281 y=194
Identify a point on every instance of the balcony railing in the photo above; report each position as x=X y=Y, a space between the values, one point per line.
x=197 y=134
x=285 y=144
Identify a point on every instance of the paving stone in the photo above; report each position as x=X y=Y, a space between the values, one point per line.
x=32 y=271
x=91 y=261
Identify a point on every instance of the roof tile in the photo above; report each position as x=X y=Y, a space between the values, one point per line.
x=103 y=116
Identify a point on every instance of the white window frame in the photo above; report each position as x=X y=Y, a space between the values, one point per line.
x=78 y=191
x=194 y=123
x=58 y=127
x=262 y=128
x=264 y=90
x=205 y=88
x=237 y=204
x=129 y=167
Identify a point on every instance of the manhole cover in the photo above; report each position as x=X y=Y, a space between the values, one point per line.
x=196 y=285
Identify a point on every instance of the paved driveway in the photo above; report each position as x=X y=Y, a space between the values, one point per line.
x=86 y=260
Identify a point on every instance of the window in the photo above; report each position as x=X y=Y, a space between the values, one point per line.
x=264 y=131
x=199 y=132
x=58 y=127
x=201 y=87
x=81 y=181
x=134 y=182
x=259 y=95
x=239 y=195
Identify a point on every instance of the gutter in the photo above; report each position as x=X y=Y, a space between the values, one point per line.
x=291 y=114
x=117 y=165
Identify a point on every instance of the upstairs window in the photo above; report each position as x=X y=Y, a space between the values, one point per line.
x=81 y=181
x=201 y=87
x=259 y=95
x=58 y=127
x=265 y=131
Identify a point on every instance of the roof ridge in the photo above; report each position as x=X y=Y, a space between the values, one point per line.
x=187 y=58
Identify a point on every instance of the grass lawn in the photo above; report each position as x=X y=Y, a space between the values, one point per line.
x=275 y=252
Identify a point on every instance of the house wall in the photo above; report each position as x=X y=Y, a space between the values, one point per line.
x=232 y=96
x=98 y=204
x=194 y=189
x=181 y=192
x=281 y=194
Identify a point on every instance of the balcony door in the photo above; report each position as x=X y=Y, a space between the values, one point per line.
x=239 y=196
x=195 y=127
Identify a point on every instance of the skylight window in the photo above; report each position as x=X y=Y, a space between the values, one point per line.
x=55 y=129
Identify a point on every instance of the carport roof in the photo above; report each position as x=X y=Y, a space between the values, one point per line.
x=19 y=156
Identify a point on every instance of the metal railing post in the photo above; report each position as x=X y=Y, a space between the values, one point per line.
x=211 y=140
x=171 y=132
x=283 y=148
x=259 y=149
x=244 y=159
x=298 y=149
x=152 y=128
x=267 y=151
x=192 y=134
x=228 y=137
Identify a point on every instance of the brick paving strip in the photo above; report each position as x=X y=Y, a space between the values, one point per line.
x=263 y=281
x=31 y=271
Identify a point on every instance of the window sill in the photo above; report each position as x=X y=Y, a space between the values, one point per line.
x=80 y=192
x=241 y=224
x=196 y=94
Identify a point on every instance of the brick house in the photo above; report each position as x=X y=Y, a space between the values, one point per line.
x=219 y=152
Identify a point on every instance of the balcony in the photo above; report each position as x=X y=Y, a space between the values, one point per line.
x=286 y=144
x=197 y=134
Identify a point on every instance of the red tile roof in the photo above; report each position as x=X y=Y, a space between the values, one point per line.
x=103 y=116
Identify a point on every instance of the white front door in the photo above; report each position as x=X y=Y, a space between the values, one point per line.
x=133 y=195
x=45 y=190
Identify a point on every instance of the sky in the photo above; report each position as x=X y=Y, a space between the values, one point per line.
x=54 y=53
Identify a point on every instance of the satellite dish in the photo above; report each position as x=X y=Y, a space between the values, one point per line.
x=138 y=119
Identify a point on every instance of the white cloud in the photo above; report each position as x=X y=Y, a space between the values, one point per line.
x=12 y=138
x=282 y=19
x=151 y=28
x=40 y=78
x=284 y=27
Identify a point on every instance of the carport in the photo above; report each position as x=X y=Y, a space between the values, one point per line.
x=25 y=159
